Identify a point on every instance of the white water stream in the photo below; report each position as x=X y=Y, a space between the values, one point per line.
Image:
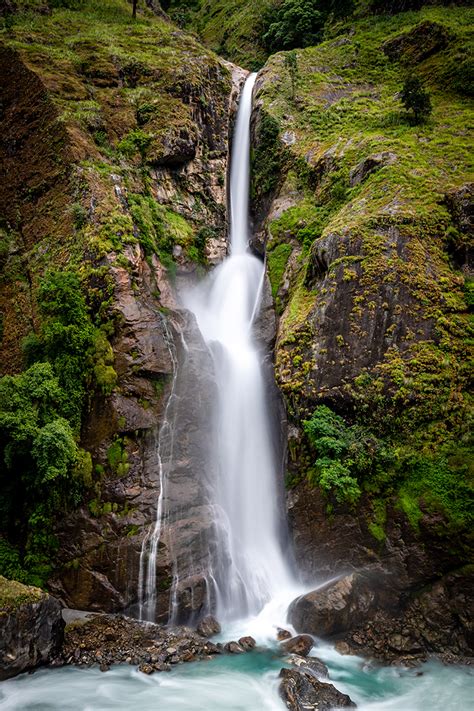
x=253 y=569
x=247 y=569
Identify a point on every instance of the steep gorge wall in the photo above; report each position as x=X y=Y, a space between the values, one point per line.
x=117 y=151
x=369 y=267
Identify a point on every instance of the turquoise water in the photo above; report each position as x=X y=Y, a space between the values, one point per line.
x=236 y=683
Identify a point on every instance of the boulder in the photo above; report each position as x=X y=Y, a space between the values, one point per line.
x=311 y=665
x=301 y=691
x=248 y=643
x=302 y=645
x=234 y=648
x=283 y=634
x=208 y=626
x=31 y=628
x=369 y=165
x=337 y=607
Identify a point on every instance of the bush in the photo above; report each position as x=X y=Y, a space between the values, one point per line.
x=416 y=100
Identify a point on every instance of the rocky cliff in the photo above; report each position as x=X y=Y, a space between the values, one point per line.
x=367 y=223
x=114 y=161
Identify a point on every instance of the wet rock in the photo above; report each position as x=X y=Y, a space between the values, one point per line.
x=312 y=665
x=301 y=645
x=302 y=691
x=146 y=669
x=31 y=628
x=208 y=626
x=234 y=648
x=369 y=165
x=283 y=634
x=334 y=608
x=247 y=643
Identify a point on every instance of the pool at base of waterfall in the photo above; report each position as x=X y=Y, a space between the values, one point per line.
x=247 y=682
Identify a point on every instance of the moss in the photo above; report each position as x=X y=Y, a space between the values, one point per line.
x=14 y=594
x=277 y=259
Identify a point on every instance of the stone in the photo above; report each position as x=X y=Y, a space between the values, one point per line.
x=302 y=645
x=247 y=643
x=312 y=665
x=31 y=628
x=234 y=648
x=146 y=668
x=334 y=608
x=208 y=626
x=283 y=634
x=302 y=691
x=369 y=165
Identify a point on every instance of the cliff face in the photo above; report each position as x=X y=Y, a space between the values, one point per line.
x=370 y=269
x=114 y=152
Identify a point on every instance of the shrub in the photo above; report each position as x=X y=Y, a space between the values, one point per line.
x=416 y=100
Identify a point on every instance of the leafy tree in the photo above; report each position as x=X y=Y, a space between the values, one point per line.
x=300 y=23
x=416 y=99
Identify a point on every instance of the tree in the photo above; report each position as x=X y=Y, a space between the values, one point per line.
x=134 y=9
x=416 y=99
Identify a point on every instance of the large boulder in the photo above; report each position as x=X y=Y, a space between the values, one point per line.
x=301 y=691
x=31 y=628
x=335 y=608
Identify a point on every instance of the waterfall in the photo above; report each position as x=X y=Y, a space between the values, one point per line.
x=252 y=567
x=241 y=561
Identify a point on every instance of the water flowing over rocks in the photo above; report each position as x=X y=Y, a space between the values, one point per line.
x=303 y=692
x=31 y=628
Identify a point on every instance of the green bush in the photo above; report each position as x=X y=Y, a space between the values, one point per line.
x=416 y=100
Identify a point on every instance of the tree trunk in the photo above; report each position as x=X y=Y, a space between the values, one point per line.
x=134 y=9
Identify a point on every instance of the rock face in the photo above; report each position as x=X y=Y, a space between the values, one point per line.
x=31 y=628
x=418 y=44
x=301 y=691
x=368 y=279
x=138 y=183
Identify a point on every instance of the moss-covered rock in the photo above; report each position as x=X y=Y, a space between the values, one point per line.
x=370 y=269
x=31 y=628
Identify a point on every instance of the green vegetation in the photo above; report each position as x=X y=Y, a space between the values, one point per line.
x=416 y=100
x=13 y=594
x=353 y=459
x=43 y=469
x=397 y=432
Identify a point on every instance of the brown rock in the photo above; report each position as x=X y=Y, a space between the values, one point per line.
x=301 y=645
x=283 y=634
x=208 y=626
x=248 y=643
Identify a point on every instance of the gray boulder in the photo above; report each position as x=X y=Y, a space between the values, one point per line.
x=301 y=691
x=31 y=628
